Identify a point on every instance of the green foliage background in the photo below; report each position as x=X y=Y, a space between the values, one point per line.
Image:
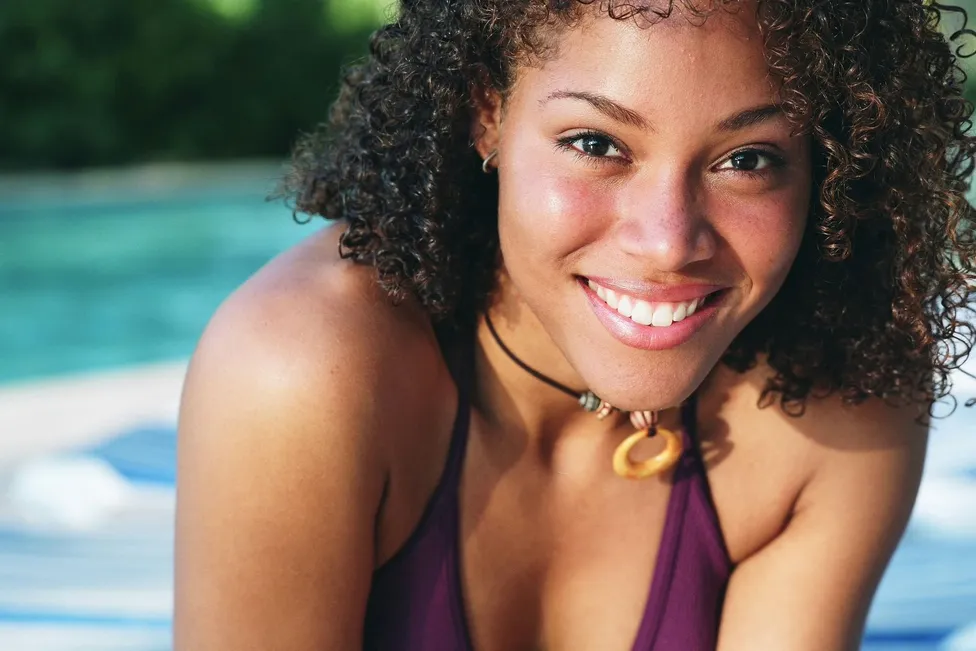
x=105 y=82
x=108 y=82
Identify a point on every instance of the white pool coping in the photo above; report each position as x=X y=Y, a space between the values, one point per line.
x=76 y=411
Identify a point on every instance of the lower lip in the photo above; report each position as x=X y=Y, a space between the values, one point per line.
x=635 y=335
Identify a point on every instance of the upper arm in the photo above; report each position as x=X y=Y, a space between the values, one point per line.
x=281 y=473
x=812 y=586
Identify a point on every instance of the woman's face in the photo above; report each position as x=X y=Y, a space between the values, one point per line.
x=651 y=198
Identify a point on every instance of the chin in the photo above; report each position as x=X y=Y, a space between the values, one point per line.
x=661 y=385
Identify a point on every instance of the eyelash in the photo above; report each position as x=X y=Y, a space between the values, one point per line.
x=565 y=143
x=775 y=162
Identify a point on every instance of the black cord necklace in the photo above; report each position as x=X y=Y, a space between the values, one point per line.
x=587 y=399
x=644 y=421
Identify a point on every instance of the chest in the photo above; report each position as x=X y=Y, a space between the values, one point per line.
x=557 y=561
x=566 y=560
x=561 y=562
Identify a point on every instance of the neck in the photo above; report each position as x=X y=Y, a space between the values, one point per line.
x=512 y=397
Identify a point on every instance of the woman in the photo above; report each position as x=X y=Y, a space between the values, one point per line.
x=737 y=229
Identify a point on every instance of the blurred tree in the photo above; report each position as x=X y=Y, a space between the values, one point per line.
x=232 y=8
x=117 y=81
x=356 y=14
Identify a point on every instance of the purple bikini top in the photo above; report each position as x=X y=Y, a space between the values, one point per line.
x=416 y=601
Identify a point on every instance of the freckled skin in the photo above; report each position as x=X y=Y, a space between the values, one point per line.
x=669 y=210
x=337 y=409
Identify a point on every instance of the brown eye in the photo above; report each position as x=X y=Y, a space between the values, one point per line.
x=751 y=160
x=747 y=161
x=593 y=145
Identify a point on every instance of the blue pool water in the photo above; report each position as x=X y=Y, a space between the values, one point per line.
x=123 y=270
x=98 y=272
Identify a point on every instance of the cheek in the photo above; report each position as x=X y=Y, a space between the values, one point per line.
x=765 y=236
x=547 y=215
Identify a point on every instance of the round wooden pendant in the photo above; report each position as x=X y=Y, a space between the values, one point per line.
x=628 y=469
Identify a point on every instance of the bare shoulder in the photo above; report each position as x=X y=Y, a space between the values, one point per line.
x=826 y=423
x=312 y=337
x=812 y=507
x=766 y=465
x=304 y=384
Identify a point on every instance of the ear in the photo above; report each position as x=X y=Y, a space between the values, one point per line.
x=486 y=120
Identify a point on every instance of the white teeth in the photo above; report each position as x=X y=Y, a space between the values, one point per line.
x=625 y=306
x=643 y=313
x=680 y=312
x=662 y=315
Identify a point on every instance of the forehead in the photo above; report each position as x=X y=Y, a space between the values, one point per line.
x=679 y=60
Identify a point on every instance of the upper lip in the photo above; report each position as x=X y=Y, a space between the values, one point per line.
x=656 y=292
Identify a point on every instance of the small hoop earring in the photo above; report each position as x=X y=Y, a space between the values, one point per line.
x=484 y=163
x=662 y=462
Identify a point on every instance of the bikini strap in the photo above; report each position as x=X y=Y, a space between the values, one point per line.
x=460 y=362
x=441 y=506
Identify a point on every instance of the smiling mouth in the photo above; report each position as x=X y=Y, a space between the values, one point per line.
x=659 y=314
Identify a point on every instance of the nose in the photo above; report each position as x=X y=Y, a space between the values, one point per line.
x=662 y=221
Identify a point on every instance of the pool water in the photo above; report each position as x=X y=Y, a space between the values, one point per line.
x=100 y=272
x=105 y=271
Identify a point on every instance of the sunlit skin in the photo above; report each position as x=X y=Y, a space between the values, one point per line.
x=660 y=186
x=317 y=415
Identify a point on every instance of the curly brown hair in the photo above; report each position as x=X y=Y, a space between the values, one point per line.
x=876 y=302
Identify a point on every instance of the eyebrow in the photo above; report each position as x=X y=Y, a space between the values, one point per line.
x=741 y=120
x=604 y=105
x=750 y=117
